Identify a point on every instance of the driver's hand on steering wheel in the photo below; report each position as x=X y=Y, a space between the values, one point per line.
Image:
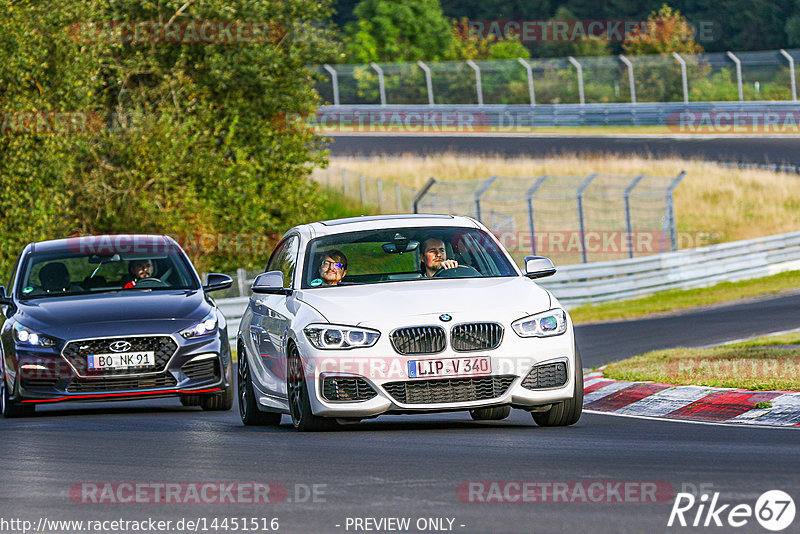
x=449 y=264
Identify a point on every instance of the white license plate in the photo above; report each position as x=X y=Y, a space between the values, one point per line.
x=449 y=367
x=121 y=360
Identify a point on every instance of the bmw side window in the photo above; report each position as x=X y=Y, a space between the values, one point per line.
x=287 y=260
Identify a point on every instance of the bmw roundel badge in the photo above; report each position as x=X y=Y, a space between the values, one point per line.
x=445 y=317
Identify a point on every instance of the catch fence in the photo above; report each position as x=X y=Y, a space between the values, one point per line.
x=712 y=77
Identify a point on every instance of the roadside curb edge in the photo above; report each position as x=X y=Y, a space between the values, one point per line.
x=695 y=403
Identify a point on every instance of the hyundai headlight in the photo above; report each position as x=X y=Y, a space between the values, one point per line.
x=549 y=323
x=31 y=338
x=325 y=336
x=205 y=327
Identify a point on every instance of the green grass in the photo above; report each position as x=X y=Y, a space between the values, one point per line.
x=337 y=206
x=754 y=365
x=672 y=300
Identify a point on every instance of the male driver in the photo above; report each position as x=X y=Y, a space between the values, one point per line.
x=139 y=269
x=434 y=257
x=333 y=268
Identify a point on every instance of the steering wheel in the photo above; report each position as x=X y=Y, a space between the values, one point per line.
x=462 y=271
x=150 y=282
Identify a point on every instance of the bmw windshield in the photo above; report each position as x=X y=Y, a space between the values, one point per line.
x=402 y=254
x=63 y=273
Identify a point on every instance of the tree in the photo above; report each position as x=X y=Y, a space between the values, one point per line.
x=668 y=32
x=194 y=140
x=660 y=80
x=408 y=31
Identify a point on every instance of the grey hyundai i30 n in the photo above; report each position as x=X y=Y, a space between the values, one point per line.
x=111 y=317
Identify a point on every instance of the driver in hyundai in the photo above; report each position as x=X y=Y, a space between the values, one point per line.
x=139 y=269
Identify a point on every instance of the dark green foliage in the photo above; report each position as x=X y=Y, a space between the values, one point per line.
x=193 y=139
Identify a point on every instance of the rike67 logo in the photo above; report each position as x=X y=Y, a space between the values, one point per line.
x=774 y=510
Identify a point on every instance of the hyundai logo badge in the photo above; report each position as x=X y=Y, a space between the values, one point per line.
x=445 y=317
x=120 y=346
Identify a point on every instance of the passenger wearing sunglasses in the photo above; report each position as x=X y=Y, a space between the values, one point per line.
x=333 y=268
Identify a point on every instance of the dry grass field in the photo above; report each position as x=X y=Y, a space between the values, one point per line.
x=721 y=203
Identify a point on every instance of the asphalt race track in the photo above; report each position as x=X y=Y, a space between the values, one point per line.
x=412 y=467
x=760 y=149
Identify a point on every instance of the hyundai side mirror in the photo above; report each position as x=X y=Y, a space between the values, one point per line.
x=270 y=283
x=538 y=267
x=216 y=281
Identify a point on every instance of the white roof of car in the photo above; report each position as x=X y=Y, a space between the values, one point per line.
x=378 y=222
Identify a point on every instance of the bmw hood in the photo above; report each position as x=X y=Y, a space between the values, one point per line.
x=105 y=314
x=495 y=298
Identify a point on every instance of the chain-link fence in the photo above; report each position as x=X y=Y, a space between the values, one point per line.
x=572 y=219
x=714 y=77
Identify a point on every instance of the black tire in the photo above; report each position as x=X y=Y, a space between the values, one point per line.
x=10 y=409
x=219 y=402
x=190 y=400
x=495 y=413
x=567 y=412
x=248 y=408
x=299 y=404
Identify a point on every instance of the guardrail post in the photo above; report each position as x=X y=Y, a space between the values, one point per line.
x=479 y=193
x=684 y=78
x=785 y=54
x=477 y=70
x=363 y=185
x=628 y=225
x=529 y=198
x=381 y=86
x=422 y=192
x=669 y=215
x=241 y=280
x=581 y=189
x=579 y=68
x=335 y=82
x=528 y=68
x=344 y=182
x=428 y=81
x=631 y=81
x=380 y=195
x=738 y=74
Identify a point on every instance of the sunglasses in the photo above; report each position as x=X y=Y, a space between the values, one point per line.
x=335 y=264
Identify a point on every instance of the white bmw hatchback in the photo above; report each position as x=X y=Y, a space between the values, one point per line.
x=403 y=314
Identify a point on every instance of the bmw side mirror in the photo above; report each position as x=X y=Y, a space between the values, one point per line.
x=4 y=299
x=216 y=281
x=271 y=283
x=538 y=267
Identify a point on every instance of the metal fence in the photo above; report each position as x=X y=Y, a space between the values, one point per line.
x=713 y=77
x=374 y=194
x=569 y=218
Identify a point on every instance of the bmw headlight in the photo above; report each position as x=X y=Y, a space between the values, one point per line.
x=326 y=336
x=31 y=338
x=546 y=324
x=207 y=326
